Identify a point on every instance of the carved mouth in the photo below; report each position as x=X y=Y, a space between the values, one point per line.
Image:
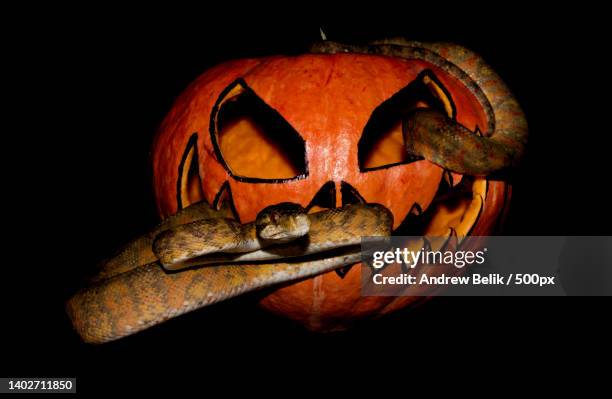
x=453 y=213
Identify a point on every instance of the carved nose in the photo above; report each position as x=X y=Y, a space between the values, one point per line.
x=327 y=197
x=350 y=195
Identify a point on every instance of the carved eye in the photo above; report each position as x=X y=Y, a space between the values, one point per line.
x=382 y=143
x=253 y=141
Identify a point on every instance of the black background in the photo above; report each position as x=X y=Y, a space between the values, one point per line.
x=94 y=90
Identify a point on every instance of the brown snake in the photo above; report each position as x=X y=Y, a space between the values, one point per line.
x=132 y=291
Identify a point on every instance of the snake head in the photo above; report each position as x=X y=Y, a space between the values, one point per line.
x=282 y=222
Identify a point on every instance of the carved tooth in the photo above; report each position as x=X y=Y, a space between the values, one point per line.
x=225 y=202
x=452 y=243
x=472 y=213
x=440 y=93
x=343 y=271
x=439 y=241
x=189 y=184
x=452 y=178
x=448 y=178
x=479 y=187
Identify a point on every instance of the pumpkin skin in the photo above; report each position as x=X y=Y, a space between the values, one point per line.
x=328 y=100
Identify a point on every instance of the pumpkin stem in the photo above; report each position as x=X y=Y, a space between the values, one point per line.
x=323 y=35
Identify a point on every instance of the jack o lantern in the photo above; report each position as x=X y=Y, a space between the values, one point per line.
x=319 y=130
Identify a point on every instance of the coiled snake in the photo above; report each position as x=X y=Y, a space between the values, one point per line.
x=132 y=291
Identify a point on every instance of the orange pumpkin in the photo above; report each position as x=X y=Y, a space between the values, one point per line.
x=310 y=129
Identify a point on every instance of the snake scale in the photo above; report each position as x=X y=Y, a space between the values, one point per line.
x=132 y=291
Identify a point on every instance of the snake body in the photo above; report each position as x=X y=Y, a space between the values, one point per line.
x=193 y=243
x=140 y=250
x=132 y=291
x=142 y=296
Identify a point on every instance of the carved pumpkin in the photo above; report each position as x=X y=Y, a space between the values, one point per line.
x=313 y=129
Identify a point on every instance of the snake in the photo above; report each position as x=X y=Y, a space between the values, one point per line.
x=201 y=255
x=136 y=296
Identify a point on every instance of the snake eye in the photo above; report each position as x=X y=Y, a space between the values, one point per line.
x=274 y=217
x=382 y=143
x=253 y=141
